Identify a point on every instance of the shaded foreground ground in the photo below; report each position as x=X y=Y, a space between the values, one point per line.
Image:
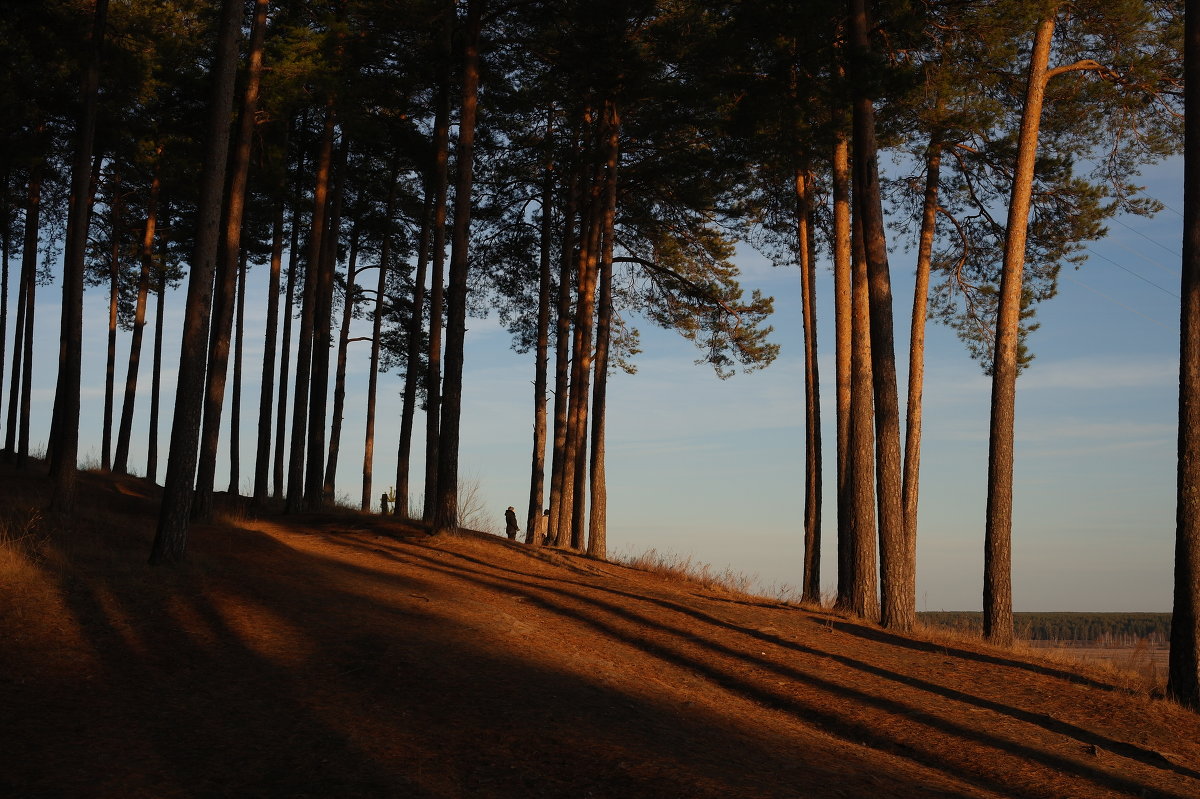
x=345 y=655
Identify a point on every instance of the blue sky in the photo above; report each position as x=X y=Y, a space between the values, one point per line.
x=713 y=470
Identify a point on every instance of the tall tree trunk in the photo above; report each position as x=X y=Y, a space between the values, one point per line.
x=1183 y=667
x=170 y=540
x=318 y=400
x=285 y=361
x=441 y=180
x=304 y=342
x=560 y=500
x=916 y=340
x=125 y=430
x=412 y=374
x=235 y=404
x=160 y=304
x=597 y=543
x=575 y=463
x=114 y=289
x=23 y=334
x=64 y=465
x=537 y=478
x=812 y=390
x=262 y=457
x=339 y=376
x=997 y=557
x=445 y=517
x=897 y=546
x=864 y=600
x=843 y=328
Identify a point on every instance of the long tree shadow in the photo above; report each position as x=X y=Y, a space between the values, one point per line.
x=852 y=732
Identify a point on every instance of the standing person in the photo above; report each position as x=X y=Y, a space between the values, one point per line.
x=383 y=502
x=510 y=523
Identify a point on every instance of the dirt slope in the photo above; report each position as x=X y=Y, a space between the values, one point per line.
x=345 y=655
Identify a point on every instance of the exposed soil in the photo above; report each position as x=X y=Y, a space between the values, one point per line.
x=346 y=655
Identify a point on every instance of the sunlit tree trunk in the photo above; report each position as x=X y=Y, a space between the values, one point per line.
x=864 y=599
x=597 y=542
x=170 y=540
x=445 y=517
x=285 y=348
x=235 y=399
x=812 y=389
x=23 y=333
x=559 y=500
x=997 y=558
x=897 y=547
x=1183 y=668
x=412 y=361
x=916 y=340
x=160 y=302
x=843 y=328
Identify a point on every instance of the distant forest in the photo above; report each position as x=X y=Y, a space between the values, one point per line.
x=1083 y=628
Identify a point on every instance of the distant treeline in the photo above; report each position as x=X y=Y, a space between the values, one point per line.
x=1084 y=628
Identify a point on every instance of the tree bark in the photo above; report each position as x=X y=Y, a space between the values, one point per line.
x=385 y=258
x=537 y=478
x=115 y=210
x=235 y=404
x=156 y=374
x=65 y=446
x=916 y=340
x=864 y=600
x=811 y=591
x=897 y=547
x=228 y=269
x=121 y=459
x=446 y=512
x=170 y=540
x=441 y=180
x=23 y=332
x=997 y=560
x=412 y=360
x=1183 y=667
x=262 y=457
x=597 y=543
x=304 y=341
x=339 y=377
x=560 y=500
x=285 y=361
x=843 y=328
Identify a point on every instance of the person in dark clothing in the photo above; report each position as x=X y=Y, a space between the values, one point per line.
x=510 y=523
x=383 y=502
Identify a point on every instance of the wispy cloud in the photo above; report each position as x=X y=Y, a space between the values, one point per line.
x=1100 y=373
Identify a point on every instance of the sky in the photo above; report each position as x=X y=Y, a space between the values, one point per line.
x=712 y=471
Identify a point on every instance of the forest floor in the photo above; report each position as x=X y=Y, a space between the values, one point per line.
x=351 y=655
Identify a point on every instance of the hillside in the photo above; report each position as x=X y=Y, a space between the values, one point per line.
x=346 y=655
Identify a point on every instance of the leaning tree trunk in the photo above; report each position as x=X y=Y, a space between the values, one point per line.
x=170 y=540
x=537 y=478
x=114 y=290
x=262 y=455
x=385 y=257
x=559 y=500
x=1183 y=668
x=125 y=430
x=235 y=399
x=160 y=304
x=997 y=557
x=304 y=342
x=65 y=447
x=445 y=518
x=318 y=400
x=897 y=545
x=228 y=270
x=843 y=327
x=339 y=376
x=916 y=340
x=23 y=334
x=812 y=388
x=285 y=361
